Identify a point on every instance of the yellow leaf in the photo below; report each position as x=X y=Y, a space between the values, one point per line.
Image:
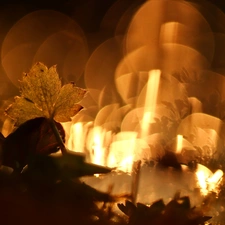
x=67 y=105
x=42 y=95
x=23 y=110
x=42 y=86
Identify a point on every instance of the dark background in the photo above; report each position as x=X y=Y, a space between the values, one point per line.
x=95 y=8
x=90 y=22
x=87 y=13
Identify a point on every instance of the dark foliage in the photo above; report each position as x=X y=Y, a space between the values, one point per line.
x=67 y=202
x=37 y=187
x=34 y=137
x=177 y=212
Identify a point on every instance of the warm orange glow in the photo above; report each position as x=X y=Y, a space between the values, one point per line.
x=205 y=128
x=207 y=181
x=215 y=180
x=169 y=32
x=105 y=148
x=7 y=127
x=122 y=151
x=147 y=117
x=154 y=74
x=77 y=136
x=203 y=173
x=76 y=143
x=179 y=143
x=57 y=45
x=150 y=100
x=97 y=146
x=201 y=176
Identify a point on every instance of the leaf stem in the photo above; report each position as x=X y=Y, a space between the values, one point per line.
x=58 y=136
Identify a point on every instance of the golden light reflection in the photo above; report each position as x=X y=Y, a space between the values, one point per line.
x=76 y=140
x=105 y=148
x=150 y=100
x=215 y=180
x=7 y=127
x=179 y=143
x=201 y=176
x=169 y=32
x=98 y=149
x=147 y=117
x=202 y=129
x=208 y=181
x=76 y=135
x=122 y=151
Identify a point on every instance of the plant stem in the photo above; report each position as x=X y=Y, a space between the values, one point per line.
x=135 y=176
x=58 y=136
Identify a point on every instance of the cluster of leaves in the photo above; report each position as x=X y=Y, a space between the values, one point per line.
x=177 y=212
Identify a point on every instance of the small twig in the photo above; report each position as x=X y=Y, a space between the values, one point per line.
x=58 y=136
x=135 y=180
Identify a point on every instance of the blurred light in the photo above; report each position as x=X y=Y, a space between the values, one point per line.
x=179 y=143
x=201 y=176
x=122 y=150
x=215 y=180
x=208 y=181
x=97 y=146
x=150 y=100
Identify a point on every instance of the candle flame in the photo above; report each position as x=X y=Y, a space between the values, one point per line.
x=103 y=147
x=208 y=181
x=122 y=151
x=98 y=149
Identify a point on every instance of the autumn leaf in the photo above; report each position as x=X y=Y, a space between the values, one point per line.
x=42 y=95
x=64 y=107
x=23 y=110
